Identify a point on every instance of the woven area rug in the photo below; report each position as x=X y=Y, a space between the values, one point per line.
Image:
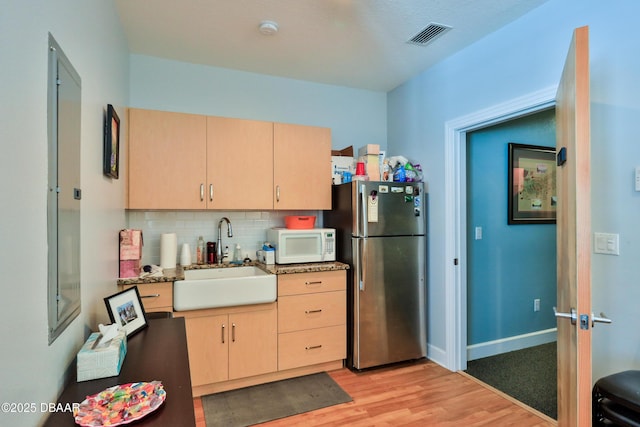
x=266 y=402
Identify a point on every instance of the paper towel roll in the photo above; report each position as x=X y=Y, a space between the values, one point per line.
x=168 y=250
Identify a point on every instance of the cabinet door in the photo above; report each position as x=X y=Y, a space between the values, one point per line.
x=208 y=344
x=239 y=164
x=302 y=167
x=167 y=164
x=253 y=349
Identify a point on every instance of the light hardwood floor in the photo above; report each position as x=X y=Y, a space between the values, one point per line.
x=416 y=394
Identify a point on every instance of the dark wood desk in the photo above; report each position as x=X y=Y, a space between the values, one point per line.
x=159 y=352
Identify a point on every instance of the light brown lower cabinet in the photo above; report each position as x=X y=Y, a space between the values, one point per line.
x=229 y=346
x=302 y=333
x=312 y=312
x=154 y=296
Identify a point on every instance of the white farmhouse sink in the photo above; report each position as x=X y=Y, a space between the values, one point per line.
x=223 y=287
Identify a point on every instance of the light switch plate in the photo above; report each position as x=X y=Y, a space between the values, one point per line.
x=606 y=243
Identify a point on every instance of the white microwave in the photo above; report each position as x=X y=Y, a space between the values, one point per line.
x=303 y=245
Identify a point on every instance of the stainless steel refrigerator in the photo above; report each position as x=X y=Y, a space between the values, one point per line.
x=381 y=234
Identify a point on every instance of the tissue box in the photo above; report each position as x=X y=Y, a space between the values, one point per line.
x=101 y=362
x=130 y=252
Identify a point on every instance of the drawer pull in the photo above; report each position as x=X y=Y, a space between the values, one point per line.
x=150 y=296
x=317 y=282
x=313 y=311
x=313 y=347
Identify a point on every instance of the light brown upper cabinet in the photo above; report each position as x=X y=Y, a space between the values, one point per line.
x=302 y=167
x=239 y=164
x=167 y=162
x=187 y=161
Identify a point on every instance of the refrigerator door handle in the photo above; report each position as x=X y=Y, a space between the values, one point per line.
x=357 y=262
x=363 y=264
x=363 y=201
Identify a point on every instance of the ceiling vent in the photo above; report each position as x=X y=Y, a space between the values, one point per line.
x=429 y=34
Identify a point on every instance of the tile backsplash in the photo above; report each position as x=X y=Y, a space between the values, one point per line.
x=249 y=229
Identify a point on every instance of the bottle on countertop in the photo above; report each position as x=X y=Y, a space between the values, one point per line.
x=237 y=253
x=211 y=253
x=200 y=251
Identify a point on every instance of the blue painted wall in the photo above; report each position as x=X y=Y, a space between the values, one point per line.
x=512 y=264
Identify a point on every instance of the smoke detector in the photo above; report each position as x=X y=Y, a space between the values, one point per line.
x=268 y=28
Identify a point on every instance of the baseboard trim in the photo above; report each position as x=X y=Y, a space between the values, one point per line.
x=504 y=345
x=437 y=355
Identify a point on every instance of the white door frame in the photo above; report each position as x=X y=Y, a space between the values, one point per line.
x=456 y=207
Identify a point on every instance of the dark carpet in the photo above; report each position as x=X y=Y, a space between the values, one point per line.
x=266 y=402
x=528 y=375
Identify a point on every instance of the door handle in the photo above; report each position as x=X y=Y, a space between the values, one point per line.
x=599 y=319
x=584 y=319
x=573 y=316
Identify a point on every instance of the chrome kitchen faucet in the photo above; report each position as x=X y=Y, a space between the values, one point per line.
x=229 y=234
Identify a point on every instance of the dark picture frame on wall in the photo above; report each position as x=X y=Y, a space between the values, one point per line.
x=111 y=167
x=531 y=184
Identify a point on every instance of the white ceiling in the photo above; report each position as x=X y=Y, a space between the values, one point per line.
x=353 y=43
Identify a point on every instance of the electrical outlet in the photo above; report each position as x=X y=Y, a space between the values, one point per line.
x=536 y=304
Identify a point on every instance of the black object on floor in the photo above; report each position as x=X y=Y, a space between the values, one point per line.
x=528 y=375
x=616 y=399
x=266 y=402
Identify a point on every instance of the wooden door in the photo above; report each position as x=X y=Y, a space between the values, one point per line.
x=253 y=347
x=239 y=164
x=208 y=345
x=574 y=235
x=167 y=164
x=302 y=167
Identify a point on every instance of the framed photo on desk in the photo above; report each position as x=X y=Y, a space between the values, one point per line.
x=126 y=310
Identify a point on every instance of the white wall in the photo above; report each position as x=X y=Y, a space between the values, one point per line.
x=90 y=35
x=522 y=58
x=356 y=117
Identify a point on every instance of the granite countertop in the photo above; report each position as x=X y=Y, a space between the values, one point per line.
x=171 y=275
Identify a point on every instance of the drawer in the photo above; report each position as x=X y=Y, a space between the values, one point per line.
x=299 y=312
x=310 y=347
x=306 y=283
x=155 y=295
